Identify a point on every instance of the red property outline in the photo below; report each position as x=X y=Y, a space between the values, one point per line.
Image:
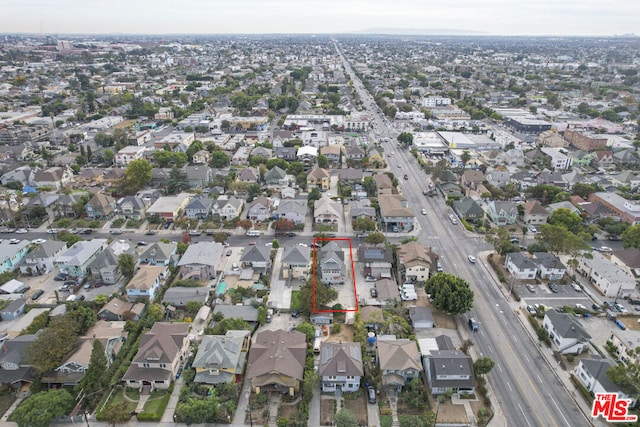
x=313 y=273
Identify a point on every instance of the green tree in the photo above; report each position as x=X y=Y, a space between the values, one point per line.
x=363 y=224
x=314 y=195
x=464 y=158
x=583 y=190
x=117 y=413
x=627 y=376
x=345 y=418
x=631 y=237
x=405 y=138
x=483 y=366
x=324 y=295
x=450 y=294
x=560 y=240
x=569 y=220
x=262 y=315
x=154 y=313
x=230 y=324
x=323 y=161
x=137 y=174
x=127 y=265
x=197 y=411
x=501 y=241
x=40 y=409
x=375 y=238
x=307 y=329
x=96 y=379
x=192 y=307
x=53 y=344
x=219 y=160
x=219 y=237
x=178 y=181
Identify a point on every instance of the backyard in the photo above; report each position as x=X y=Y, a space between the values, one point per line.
x=357 y=404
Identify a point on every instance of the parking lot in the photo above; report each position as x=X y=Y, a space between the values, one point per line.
x=541 y=294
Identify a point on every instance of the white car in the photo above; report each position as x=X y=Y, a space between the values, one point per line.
x=471 y=259
x=304 y=245
x=604 y=249
x=38 y=241
x=52 y=231
x=21 y=231
x=423 y=211
x=14 y=241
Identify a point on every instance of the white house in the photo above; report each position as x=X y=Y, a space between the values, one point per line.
x=611 y=280
x=592 y=373
x=128 y=154
x=520 y=266
x=567 y=335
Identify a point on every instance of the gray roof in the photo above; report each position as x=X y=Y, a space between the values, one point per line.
x=222 y=352
x=521 y=261
x=420 y=313
x=8 y=250
x=567 y=326
x=296 y=255
x=256 y=254
x=597 y=368
x=80 y=252
x=46 y=249
x=246 y=312
x=548 y=260
x=340 y=359
x=159 y=251
x=179 y=296
x=202 y=253
x=200 y=203
x=451 y=363
x=296 y=205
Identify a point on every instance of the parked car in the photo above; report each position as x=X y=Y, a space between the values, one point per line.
x=374 y=293
x=194 y=233
x=614 y=238
x=597 y=307
x=52 y=231
x=291 y=234
x=116 y=232
x=87 y=231
x=371 y=394
x=229 y=252
x=21 y=231
x=606 y=249
x=142 y=243
x=576 y=287
x=532 y=310
x=370 y=279
x=150 y=233
x=14 y=241
x=553 y=288
x=37 y=294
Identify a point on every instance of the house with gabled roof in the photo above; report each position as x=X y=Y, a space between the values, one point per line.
x=226 y=208
x=276 y=361
x=415 y=261
x=201 y=157
x=355 y=153
x=566 y=333
x=449 y=369
x=325 y=210
x=118 y=310
x=592 y=372
x=249 y=175
x=399 y=361
x=221 y=358
x=351 y=176
x=286 y=153
x=55 y=178
x=159 y=253
x=260 y=209
x=161 y=351
x=388 y=292
x=23 y=174
x=295 y=210
x=66 y=204
x=520 y=266
x=535 y=213
x=421 y=317
x=198 y=208
x=11 y=255
x=471 y=179
x=396 y=213
x=198 y=176
x=41 y=259
x=340 y=366
x=200 y=261
x=318 y=178
x=607 y=276
x=146 y=283
x=106 y=266
x=331 y=264
x=76 y=260
x=276 y=178
x=131 y=207
x=265 y=153
x=296 y=262
x=498 y=178
x=502 y=212
x=549 y=266
x=383 y=183
x=468 y=209
x=100 y=206
x=257 y=258
x=15 y=368
x=362 y=209
x=333 y=153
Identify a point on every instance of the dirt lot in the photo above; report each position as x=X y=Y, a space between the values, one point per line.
x=345 y=334
x=287 y=411
x=326 y=411
x=359 y=408
x=450 y=413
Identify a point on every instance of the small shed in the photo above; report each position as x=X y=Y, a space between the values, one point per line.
x=321 y=318
x=13 y=286
x=15 y=309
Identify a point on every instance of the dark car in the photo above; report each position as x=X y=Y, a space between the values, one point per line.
x=374 y=293
x=294 y=313
x=167 y=225
x=116 y=232
x=150 y=233
x=473 y=325
x=87 y=231
x=553 y=287
x=37 y=294
x=142 y=243
x=291 y=234
x=59 y=279
x=597 y=307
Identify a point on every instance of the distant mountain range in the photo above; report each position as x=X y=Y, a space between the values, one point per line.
x=420 y=31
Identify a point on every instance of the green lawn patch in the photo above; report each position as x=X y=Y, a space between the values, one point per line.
x=116 y=398
x=6 y=400
x=386 y=420
x=295 y=304
x=155 y=406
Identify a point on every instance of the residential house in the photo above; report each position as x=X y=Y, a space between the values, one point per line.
x=200 y=261
x=131 y=207
x=520 y=266
x=159 y=253
x=326 y=210
x=73 y=369
x=276 y=178
x=421 y=318
x=333 y=153
x=15 y=368
x=340 y=366
x=198 y=176
x=69 y=205
x=113 y=176
x=468 y=209
x=307 y=154
x=415 y=262
x=296 y=261
x=384 y=184
x=295 y=210
x=106 y=265
x=265 y=153
x=628 y=260
x=226 y=208
x=179 y=296
x=201 y=157
x=447 y=369
x=549 y=266
x=566 y=333
x=524 y=179
x=12 y=255
x=535 y=213
x=592 y=372
x=276 y=361
x=23 y=174
x=249 y=175
x=603 y=159
x=351 y=177
x=14 y=309
x=41 y=259
x=331 y=264
x=472 y=179
x=55 y=178
x=388 y=292
x=399 y=361
x=372 y=316
x=580 y=158
x=198 y=208
x=248 y=313
x=260 y=209
x=623 y=343
x=362 y=209
x=169 y=208
x=146 y=283
x=221 y=358
x=376 y=157
x=378 y=262
x=285 y=153
x=498 y=178
x=318 y=178
x=395 y=213
x=502 y=213
x=355 y=154
x=611 y=280
x=128 y=154
x=76 y=260
x=100 y=206
x=626 y=179
x=257 y=258
x=119 y=310
x=161 y=351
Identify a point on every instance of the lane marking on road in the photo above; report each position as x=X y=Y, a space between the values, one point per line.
x=526 y=358
x=559 y=410
x=524 y=416
x=500 y=367
x=509 y=385
x=516 y=340
x=539 y=379
x=490 y=349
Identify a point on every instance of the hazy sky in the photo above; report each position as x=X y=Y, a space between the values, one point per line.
x=501 y=17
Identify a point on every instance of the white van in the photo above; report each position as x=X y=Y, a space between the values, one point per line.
x=316 y=345
x=253 y=233
x=407 y=288
x=409 y=296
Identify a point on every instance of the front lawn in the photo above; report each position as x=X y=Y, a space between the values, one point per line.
x=117 y=399
x=295 y=304
x=155 y=406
